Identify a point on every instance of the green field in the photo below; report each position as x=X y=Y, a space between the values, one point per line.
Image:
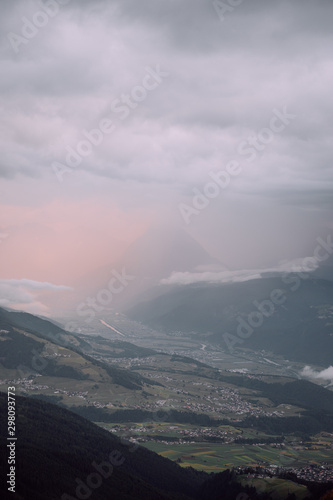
x=277 y=488
x=217 y=457
x=211 y=457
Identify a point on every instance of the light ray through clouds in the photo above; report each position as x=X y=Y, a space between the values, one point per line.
x=79 y=91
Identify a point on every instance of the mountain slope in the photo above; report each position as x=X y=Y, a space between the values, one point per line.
x=51 y=358
x=158 y=253
x=61 y=455
x=40 y=326
x=57 y=450
x=300 y=328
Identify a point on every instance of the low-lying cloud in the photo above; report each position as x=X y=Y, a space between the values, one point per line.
x=187 y=278
x=326 y=374
x=24 y=294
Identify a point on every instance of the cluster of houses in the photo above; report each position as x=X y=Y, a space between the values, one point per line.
x=27 y=384
x=217 y=400
x=316 y=473
x=71 y=394
x=194 y=434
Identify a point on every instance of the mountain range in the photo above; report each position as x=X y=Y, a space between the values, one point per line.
x=298 y=326
x=62 y=455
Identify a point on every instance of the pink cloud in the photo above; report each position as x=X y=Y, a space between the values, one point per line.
x=60 y=241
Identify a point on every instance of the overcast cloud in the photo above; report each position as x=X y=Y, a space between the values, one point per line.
x=217 y=86
x=25 y=294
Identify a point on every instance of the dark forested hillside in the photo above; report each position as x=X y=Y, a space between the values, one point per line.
x=58 y=451
x=55 y=446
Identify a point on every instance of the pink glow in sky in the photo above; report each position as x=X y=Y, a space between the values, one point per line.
x=186 y=94
x=59 y=242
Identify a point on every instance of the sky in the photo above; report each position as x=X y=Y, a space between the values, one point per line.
x=119 y=115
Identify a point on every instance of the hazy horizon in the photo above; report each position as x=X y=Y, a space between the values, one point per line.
x=120 y=117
